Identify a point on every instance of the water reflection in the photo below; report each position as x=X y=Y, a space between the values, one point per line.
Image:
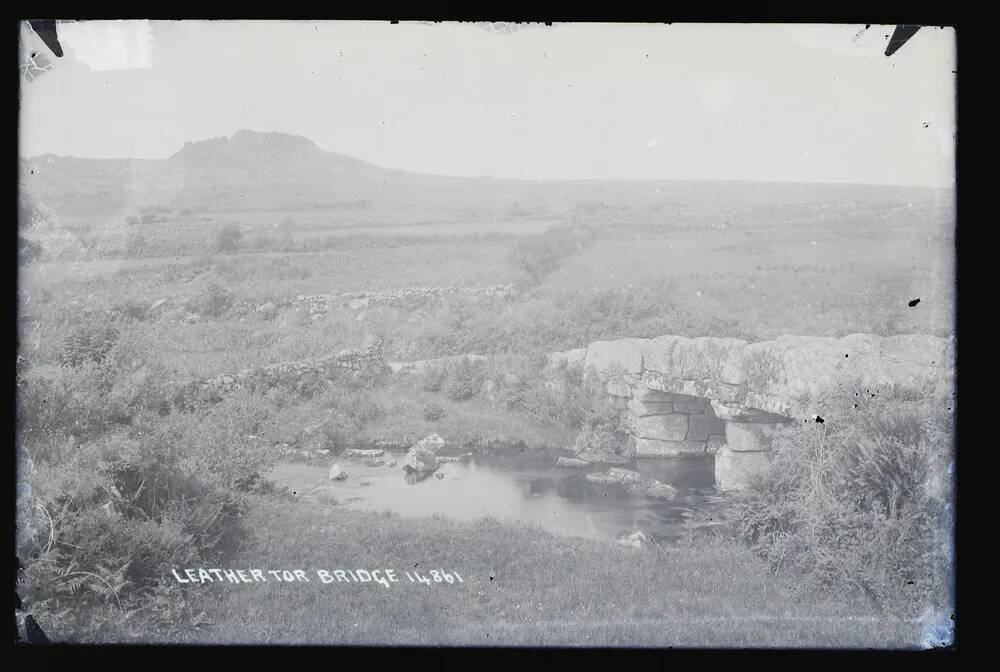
x=523 y=487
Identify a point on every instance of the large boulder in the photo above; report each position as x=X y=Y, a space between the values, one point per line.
x=571 y=462
x=443 y=459
x=337 y=473
x=624 y=354
x=603 y=477
x=361 y=452
x=634 y=482
x=591 y=457
x=422 y=458
x=658 y=490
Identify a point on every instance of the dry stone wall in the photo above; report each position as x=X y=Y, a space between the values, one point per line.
x=301 y=374
x=319 y=304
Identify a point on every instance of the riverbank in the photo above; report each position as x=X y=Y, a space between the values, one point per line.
x=521 y=586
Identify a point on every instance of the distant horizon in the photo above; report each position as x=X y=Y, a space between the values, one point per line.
x=494 y=177
x=816 y=104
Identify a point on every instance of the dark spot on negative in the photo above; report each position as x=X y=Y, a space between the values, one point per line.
x=819 y=420
x=913 y=303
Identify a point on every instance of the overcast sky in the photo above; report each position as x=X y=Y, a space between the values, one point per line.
x=778 y=102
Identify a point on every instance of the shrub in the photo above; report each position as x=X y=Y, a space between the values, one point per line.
x=357 y=406
x=433 y=378
x=88 y=342
x=859 y=501
x=464 y=379
x=433 y=412
x=604 y=430
x=131 y=309
x=214 y=300
x=228 y=239
x=104 y=523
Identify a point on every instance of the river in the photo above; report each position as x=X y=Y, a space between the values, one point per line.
x=521 y=486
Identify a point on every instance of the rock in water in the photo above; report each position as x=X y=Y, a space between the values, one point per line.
x=634 y=482
x=601 y=458
x=571 y=462
x=602 y=477
x=620 y=476
x=420 y=460
x=421 y=457
x=360 y=452
x=455 y=458
x=661 y=491
x=337 y=473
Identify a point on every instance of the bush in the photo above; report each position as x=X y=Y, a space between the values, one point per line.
x=228 y=239
x=356 y=406
x=214 y=300
x=131 y=309
x=87 y=400
x=464 y=379
x=433 y=378
x=604 y=430
x=88 y=342
x=433 y=412
x=104 y=522
x=860 y=502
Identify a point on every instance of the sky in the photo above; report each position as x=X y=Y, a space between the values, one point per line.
x=809 y=103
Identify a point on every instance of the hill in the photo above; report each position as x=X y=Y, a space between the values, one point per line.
x=278 y=172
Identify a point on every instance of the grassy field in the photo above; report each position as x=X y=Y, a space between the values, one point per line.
x=820 y=270
x=521 y=586
x=734 y=260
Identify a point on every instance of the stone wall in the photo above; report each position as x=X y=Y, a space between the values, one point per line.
x=368 y=361
x=319 y=304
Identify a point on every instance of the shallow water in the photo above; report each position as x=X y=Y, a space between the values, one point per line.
x=520 y=487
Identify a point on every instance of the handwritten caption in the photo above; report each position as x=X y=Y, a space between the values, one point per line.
x=382 y=577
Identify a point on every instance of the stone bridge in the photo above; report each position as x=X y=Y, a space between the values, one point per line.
x=726 y=398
